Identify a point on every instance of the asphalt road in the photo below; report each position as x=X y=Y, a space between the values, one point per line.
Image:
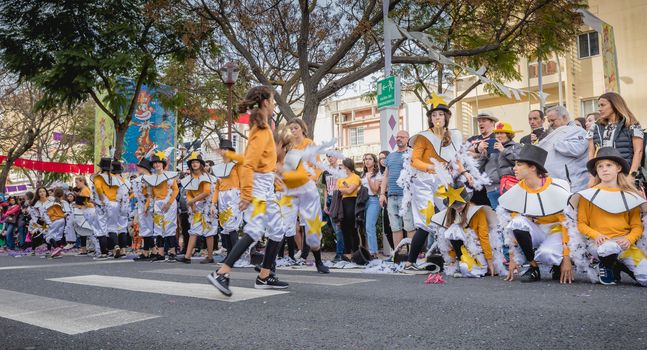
x=170 y=306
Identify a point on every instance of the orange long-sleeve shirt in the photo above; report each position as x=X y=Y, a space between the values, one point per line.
x=160 y=191
x=85 y=192
x=55 y=212
x=260 y=157
x=422 y=151
x=594 y=222
x=103 y=189
x=297 y=177
x=480 y=225
x=204 y=187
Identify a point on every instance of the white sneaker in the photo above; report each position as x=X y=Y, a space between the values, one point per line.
x=68 y=246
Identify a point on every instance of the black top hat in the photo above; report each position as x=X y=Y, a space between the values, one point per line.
x=609 y=153
x=193 y=157
x=117 y=167
x=441 y=107
x=144 y=163
x=533 y=155
x=465 y=194
x=158 y=158
x=226 y=144
x=105 y=164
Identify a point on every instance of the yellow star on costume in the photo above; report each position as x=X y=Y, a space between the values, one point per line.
x=436 y=100
x=285 y=201
x=196 y=218
x=428 y=212
x=160 y=154
x=634 y=253
x=158 y=219
x=259 y=206
x=315 y=225
x=468 y=259
x=194 y=155
x=225 y=215
x=452 y=194
x=557 y=228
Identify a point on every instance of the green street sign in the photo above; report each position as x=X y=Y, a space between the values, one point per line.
x=388 y=92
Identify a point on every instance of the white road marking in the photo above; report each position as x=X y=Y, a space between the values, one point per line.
x=191 y=290
x=63 y=316
x=22 y=267
x=305 y=279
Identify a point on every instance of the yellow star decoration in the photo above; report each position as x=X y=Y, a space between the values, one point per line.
x=454 y=195
x=436 y=100
x=160 y=154
x=193 y=156
x=225 y=215
x=634 y=254
x=428 y=212
x=468 y=259
x=557 y=228
x=441 y=192
x=285 y=201
x=158 y=220
x=259 y=206
x=315 y=225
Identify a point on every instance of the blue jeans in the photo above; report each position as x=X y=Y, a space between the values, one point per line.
x=9 y=236
x=493 y=196
x=372 y=213
x=22 y=235
x=339 y=235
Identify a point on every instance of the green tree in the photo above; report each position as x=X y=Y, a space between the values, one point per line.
x=83 y=49
x=310 y=50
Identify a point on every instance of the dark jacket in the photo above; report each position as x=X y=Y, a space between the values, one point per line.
x=622 y=139
x=360 y=207
x=336 y=209
x=526 y=140
x=500 y=164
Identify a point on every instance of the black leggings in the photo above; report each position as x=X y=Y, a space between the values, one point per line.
x=525 y=243
x=386 y=226
x=83 y=240
x=351 y=239
x=417 y=243
x=103 y=245
x=456 y=245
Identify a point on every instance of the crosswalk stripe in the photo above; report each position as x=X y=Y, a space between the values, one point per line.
x=23 y=267
x=63 y=316
x=312 y=279
x=192 y=290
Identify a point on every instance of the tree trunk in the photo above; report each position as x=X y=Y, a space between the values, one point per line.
x=120 y=134
x=310 y=109
x=4 y=174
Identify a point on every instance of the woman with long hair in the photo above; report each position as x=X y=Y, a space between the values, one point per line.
x=39 y=219
x=608 y=222
x=442 y=145
x=349 y=186
x=617 y=127
x=372 y=179
x=262 y=213
x=10 y=220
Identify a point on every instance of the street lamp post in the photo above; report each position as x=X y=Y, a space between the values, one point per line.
x=229 y=73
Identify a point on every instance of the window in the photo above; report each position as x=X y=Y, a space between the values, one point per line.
x=589 y=106
x=234 y=140
x=588 y=45
x=547 y=68
x=356 y=136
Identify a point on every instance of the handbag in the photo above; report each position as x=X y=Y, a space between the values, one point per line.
x=507 y=182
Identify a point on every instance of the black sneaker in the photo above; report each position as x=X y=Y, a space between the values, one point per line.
x=323 y=269
x=221 y=282
x=531 y=275
x=157 y=258
x=556 y=272
x=271 y=282
x=142 y=257
x=172 y=258
x=207 y=261
x=183 y=259
x=606 y=275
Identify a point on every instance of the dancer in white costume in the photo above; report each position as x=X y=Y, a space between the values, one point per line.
x=436 y=147
x=300 y=197
x=145 y=221
x=161 y=205
x=531 y=215
x=261 y=211
x=123 y=205
x=606 y=223
x=197 y=186
x=57 y=218
x=226 y=196
x=107 y=208
x=467 y=237
x=42 y=208
x=85 y=216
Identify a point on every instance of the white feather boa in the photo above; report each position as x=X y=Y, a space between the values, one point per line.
x=581 y=246
x=309 y=156
x=471 y=165
x=506 y=237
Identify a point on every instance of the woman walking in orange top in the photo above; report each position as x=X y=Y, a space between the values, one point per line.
x=261 y=212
